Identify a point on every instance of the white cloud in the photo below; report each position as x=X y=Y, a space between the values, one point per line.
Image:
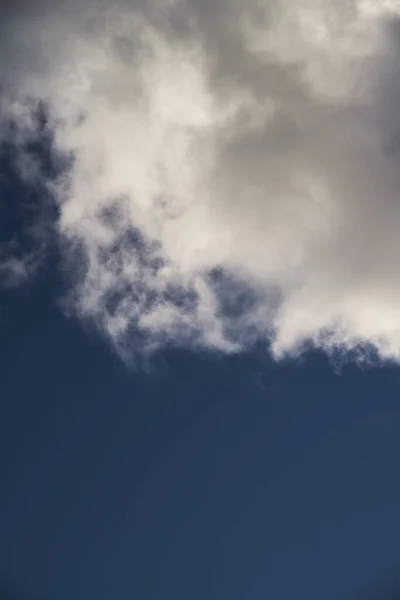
x=234 y=166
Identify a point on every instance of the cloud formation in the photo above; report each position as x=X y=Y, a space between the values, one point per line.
x=231 y=166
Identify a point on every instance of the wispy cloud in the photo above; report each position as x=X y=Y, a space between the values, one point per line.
x=233 y=165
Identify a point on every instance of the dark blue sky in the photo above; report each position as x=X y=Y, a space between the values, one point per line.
x=209 y=478
x=203 y=478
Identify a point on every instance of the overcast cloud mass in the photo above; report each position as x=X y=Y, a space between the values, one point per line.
x=231 y=167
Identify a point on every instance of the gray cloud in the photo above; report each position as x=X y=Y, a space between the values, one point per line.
x=233 y=165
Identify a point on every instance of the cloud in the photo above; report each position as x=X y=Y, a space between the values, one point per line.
x=232 y=167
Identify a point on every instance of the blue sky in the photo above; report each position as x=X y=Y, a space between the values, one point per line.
x=199 y=324
x=208 y=478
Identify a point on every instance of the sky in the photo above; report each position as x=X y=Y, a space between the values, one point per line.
x=199 y=320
